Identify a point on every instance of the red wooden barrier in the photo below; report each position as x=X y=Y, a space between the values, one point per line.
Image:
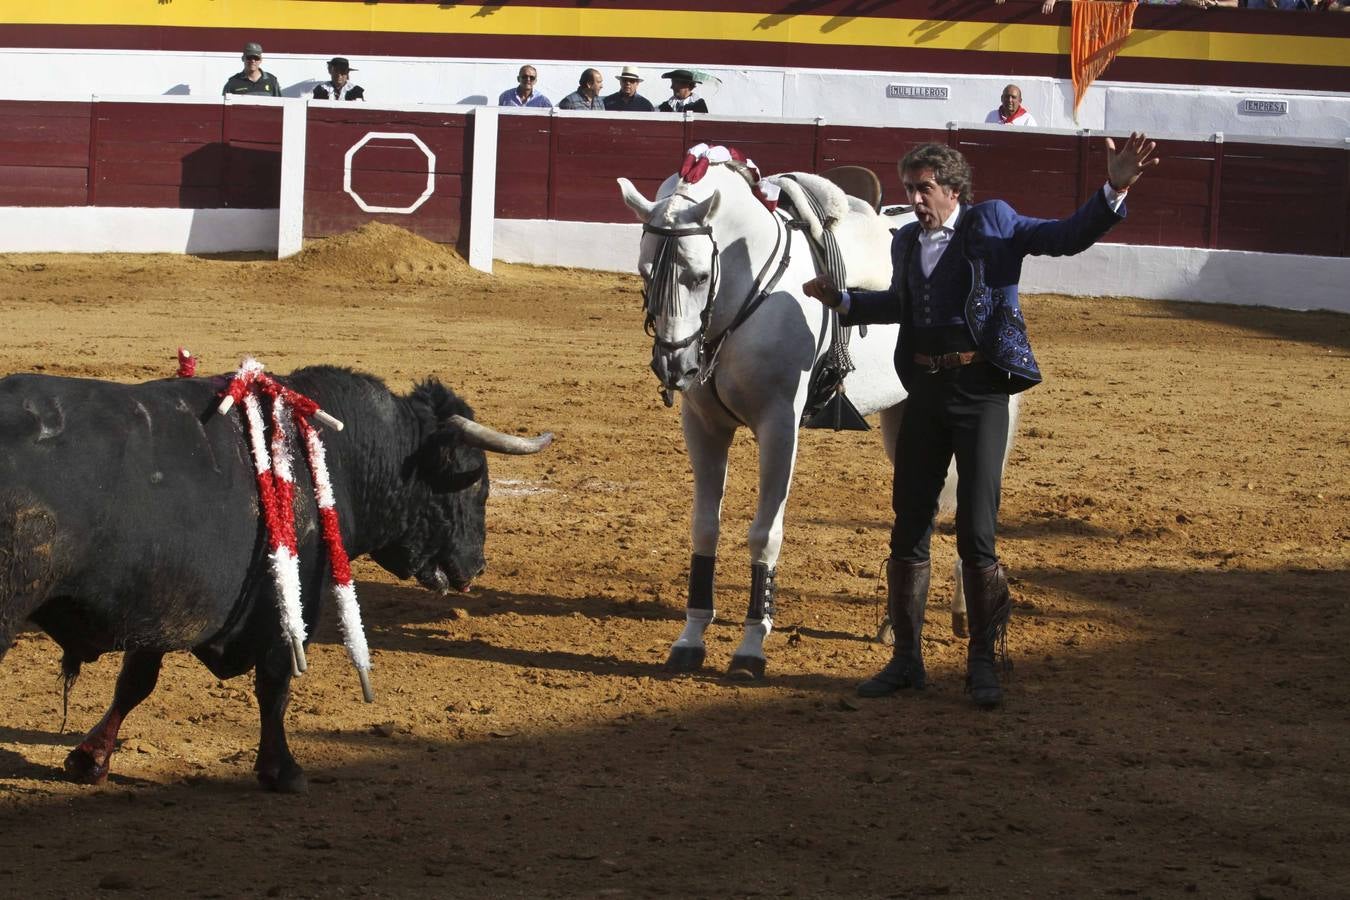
x=44 y=154
x=185 y=156
x=390 y=172
x=523 y=166
x=1240 y=196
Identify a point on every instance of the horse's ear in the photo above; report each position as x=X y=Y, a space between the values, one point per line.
x=636 y=202
x=703 y=210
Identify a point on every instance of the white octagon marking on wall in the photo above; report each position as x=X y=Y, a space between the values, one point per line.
x=394 y=136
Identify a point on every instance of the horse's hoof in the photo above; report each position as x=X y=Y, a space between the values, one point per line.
x=290 y=779
x=686 y=659
x=746 y=668
x=82 y=768
x=960 y=625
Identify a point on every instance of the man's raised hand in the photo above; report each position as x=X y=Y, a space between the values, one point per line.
x=1124 y=166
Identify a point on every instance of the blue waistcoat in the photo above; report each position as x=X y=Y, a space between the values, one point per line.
x=991 y=240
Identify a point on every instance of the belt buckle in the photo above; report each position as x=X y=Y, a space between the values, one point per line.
x=934 y=364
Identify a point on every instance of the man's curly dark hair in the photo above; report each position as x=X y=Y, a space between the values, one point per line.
x=950 y=168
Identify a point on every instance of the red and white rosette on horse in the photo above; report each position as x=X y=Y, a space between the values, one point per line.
x=701 y=156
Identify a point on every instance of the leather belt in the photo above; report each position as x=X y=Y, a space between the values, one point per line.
x=934 y=364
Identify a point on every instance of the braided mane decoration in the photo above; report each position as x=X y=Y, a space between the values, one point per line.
x=291 y=412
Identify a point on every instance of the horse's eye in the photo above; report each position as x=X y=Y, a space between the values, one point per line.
x=701 y=280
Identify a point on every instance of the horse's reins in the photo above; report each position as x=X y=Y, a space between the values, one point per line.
x=659 y=295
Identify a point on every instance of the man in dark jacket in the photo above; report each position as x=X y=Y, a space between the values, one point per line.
x=253 y=80
x=962 y=351
x=627 y=98
x=339 y=84
x=682 y=98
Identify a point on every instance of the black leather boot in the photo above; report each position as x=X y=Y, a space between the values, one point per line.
x=907 y=595
x=990 y=608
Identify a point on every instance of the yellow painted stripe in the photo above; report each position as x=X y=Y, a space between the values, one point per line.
x=861 y=31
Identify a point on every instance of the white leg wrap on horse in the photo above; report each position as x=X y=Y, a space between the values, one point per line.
x=696 y=621
x=756 y=631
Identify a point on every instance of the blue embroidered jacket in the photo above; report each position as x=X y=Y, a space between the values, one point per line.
x=993 y=240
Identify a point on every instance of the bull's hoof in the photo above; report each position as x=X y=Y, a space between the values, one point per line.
x=746 y=668
x=960 y=625
x=289 y=779
x=83 y=768
x=686 y=659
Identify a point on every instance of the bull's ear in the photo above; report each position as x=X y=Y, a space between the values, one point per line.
x=445 y=464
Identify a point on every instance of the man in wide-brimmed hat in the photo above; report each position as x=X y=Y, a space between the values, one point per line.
x=253 y=80
x=682 y=99
x=627 y=98
x=339 y=84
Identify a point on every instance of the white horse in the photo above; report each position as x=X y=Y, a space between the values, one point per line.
x=734 y=332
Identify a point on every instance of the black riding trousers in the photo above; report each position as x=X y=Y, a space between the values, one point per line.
x=963 y=412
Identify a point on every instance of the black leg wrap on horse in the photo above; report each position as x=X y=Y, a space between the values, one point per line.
x=907 y=597
x=763 y=591
x=690 y=658
x=990 y=606
x=701 y=571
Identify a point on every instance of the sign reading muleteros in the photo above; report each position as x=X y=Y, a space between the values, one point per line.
x=918 y=92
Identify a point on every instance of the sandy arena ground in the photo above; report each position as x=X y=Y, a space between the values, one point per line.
x=1176 y=517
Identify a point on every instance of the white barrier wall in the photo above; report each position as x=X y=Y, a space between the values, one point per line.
x=838 y=97
x=106 y=229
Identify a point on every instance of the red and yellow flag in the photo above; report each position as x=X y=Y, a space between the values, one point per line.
x=1097 y=31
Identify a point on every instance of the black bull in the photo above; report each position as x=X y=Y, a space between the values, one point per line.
x=129 y=520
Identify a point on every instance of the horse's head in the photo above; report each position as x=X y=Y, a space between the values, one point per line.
x=679 y=268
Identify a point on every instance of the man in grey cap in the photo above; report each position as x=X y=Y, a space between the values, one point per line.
x=627 y=98
x=682 y=99
x=253 y=80
x=339 y=84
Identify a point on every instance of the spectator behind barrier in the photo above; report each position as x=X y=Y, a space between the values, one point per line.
x=682 y=99
x=587 y=95
x=627 y=98
x=253 y=80
x=523 y=93
x=339 y=85
x=1011 y=111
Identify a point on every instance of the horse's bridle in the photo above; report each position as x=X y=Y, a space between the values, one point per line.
x=658 y=292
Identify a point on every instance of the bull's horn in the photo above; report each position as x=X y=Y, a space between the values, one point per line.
x=485 y=438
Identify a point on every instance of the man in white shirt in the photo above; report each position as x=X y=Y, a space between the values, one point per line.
x=1010 y=110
